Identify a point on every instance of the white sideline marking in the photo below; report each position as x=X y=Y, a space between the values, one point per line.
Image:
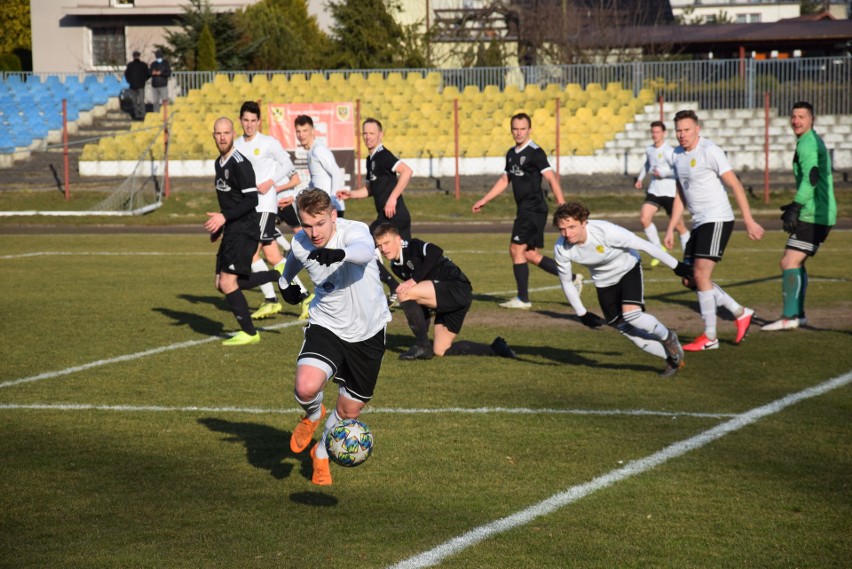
x=458 y=544
x=100 y=254
x=368 y=411
x=130 y=357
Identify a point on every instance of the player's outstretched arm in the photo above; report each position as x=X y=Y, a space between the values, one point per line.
x=753 y=228
x=553 y=179
x=360 y=193
x=498 y=188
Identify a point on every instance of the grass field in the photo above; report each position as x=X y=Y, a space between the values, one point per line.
x=131 y=438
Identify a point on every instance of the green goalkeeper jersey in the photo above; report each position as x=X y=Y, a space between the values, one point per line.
x=814 y=182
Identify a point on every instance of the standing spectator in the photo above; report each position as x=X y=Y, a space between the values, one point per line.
x=160 y=73
x=526 y=165
x=137 y=75
x=808 y=219
x=702 y=171
x=661 y=191
x=238 y=225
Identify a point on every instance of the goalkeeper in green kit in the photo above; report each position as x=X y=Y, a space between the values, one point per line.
x=808 y=219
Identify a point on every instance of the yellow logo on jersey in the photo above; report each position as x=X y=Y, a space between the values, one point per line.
x=257 y=151
x=692 y=163
x=600 y=249
x=659 y=155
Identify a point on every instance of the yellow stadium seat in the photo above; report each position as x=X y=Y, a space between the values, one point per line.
x=593 y=89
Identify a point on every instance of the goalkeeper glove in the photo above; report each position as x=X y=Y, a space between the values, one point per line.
x=790 y=217
x=291 y=293
x=327 y=257
x=683 y=270
x=591 y=320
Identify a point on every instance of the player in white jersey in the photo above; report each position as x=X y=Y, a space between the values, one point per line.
x=275 y=173
x=345 y=335
x=609 y=251
x=662 y=189
x=702 y=172
x=325 y=173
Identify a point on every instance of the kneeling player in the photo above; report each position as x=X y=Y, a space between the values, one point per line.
x=432 y=282
x=610 y=253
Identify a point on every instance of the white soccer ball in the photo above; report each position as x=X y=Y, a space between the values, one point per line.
x=349 y=442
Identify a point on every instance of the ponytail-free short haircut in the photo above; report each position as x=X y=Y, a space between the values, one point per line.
x=314 y=201
x=522 y=116
x=574 y=210
x=685 y=114
x=660 y=124
x=385 y=229
x=250 y=107
x=804 y=105
x=302 y=120
x=375 y=122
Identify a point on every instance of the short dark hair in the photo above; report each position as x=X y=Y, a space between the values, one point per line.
x=385 y=229
x=302 y=120
x=313 y=201
x=250 y=107
x=685 y=114
x=660 y=124
x=374 y=121
x=574 y=210
x=804 y=105
x=521 y=116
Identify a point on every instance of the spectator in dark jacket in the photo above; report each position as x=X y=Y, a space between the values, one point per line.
x=137 y=75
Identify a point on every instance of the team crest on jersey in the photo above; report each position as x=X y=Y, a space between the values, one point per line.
x=523 y=159
x=342 y=112
x=226 y=173
x=257 y=151
x=600 y=249
x=222 y=185
x=659 y=155
x=692 y=163
x=409 y=264
x=516 y=170
x=328 y=286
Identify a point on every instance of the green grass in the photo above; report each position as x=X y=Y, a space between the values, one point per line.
x=162 y=474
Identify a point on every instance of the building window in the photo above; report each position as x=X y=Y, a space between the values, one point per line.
x=123 y=3
x=108 y=46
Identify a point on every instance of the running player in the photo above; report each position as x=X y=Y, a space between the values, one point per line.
x=702 y=171
x=275 y=173
x=609 y=251
x=238 y=225
x=345 y=335
x=526 y=165
x=432 y=283
x=325 y=173
x=662 y=189
x=808 y=219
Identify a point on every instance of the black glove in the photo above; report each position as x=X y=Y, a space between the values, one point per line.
x=683 y=270
x=591 y=320
x=327 y=257
x=790 y=217
x=292 y=294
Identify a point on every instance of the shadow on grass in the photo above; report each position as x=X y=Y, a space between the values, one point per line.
x=196 y=322
x=218 y=301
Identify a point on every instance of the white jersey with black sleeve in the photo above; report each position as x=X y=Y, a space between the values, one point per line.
x=325 y=173
x=270 y=162
x=609 y=252
x=350 y=300
x=660 y=159
x=698 y=172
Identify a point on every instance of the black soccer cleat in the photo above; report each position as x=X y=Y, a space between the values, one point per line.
x=502 y=349
x=417 y=353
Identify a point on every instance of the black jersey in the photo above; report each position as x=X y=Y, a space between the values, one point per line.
x=381 y=179
x=524 y=168
x=422 y=261
x=236 y=190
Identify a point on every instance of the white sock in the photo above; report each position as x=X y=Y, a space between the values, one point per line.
x=648 y=323
x=332 y=419
x=266 y=288
x=643 y=339
x=652 y=235
x=707 y=304
x=313 y=409
x=684 y=237
x=282 y=241
x=724 y=300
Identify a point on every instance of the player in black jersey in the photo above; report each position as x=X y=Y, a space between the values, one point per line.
x=432 y=283
x=238 y=224
x=387 y=178
x=526 y=165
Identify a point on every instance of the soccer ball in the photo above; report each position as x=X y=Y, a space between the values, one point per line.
x=349 y=442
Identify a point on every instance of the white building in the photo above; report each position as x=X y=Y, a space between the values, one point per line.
x=747 y=11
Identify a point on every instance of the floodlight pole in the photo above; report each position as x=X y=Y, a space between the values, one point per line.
x=65 y=148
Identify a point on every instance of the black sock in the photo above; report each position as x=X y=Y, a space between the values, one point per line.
x=465 y=348
x=522 y=278
x=386 y=277
x=417 y=322
x=239 y=306
x=257 y=279
x=548 y=265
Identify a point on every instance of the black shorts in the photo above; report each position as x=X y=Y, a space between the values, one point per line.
x=708 y=241
x=808 y=237
x=402 y=222
x=664 y=202
x=354 y=365
x=268 y=231
x=236 y=251
x=289 y=216
x=453 y=299
x=528 y=229
x=629 y=290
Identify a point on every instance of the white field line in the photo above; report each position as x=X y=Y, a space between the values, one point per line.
x=458 y=544
x=101 y=254
x=368 y=411
x=134 y=356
